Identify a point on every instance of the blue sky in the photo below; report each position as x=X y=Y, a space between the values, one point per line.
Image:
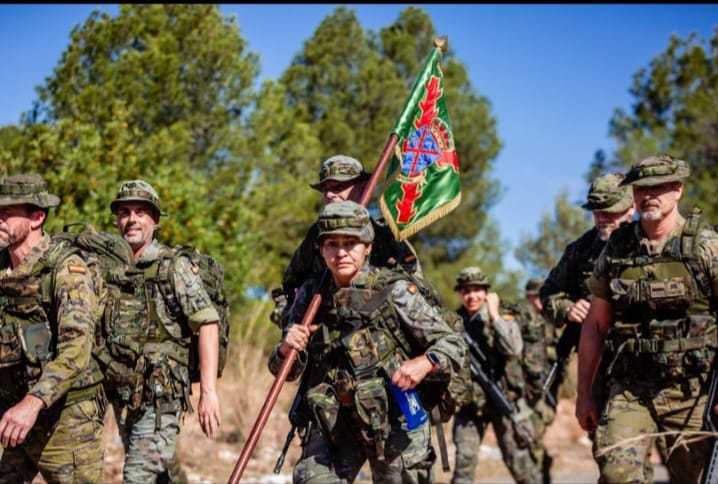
x=554 y=74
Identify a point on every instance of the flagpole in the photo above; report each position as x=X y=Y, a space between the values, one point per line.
x=314 y=304
x=241 y=464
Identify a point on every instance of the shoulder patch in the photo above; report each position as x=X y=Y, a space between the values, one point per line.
x=76 y=269
x=509 y=317
x=195 y=269
x=412 y=289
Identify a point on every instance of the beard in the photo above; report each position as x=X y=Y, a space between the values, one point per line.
x=9 y=238
x=651 y=215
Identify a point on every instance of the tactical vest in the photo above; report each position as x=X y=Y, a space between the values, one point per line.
x=359 y=346
x=27 y=338
x=664 y=325
x=167 y=340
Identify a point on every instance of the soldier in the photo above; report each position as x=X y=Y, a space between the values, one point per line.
x=341 y=178
x=653 y=306
x=538 y=337
x=51 y=396
x=368 y=336
x=565 y=295
x=499 y=338
x=150 y=430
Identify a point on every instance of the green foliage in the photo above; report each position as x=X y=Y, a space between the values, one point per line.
x=156 y=92
x=675 y=112
x=349 y=86
x=539 y=255
x=165 y=93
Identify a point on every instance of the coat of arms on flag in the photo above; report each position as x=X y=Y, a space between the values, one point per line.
x=423 y=176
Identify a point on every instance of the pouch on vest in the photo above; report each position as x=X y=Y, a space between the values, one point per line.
x=372 y=405
x=669 y=364
x=35 y=338
x=366 y=348
x=10 y=346
x=324 y=403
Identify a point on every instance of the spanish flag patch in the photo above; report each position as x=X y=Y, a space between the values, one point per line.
x=76 y=269
x=412 y=289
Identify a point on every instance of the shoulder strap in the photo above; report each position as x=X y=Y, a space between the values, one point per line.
x=690 y=240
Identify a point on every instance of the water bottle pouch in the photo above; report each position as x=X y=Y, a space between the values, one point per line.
x=325 y=406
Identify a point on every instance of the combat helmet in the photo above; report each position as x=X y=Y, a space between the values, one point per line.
x=656 y=170
x=27 y=188
x=345 y=218
x=340 y=168
x=137 y=191
x=608 y=194
x=471 y=276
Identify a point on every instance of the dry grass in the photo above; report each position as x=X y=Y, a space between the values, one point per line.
x=243 y=390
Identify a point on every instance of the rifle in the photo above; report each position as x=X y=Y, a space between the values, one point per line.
x=710 y=471
x=566 y=344
x=493 y=391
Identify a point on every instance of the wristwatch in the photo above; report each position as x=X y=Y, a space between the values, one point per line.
x=434 y=360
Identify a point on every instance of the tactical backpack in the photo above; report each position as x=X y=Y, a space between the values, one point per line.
x=212 y=275
x=452 y=394
x=122 y=331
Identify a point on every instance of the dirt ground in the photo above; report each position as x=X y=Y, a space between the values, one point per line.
x=212 y=461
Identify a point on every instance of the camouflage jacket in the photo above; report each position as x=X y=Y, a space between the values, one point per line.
x=568 y=280
x=535 y=360
x=194 y=302
x=386 y=252
x=72 y=320
x=421 y=323
x=503 y=346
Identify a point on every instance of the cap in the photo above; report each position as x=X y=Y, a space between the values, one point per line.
x=27 y=188
x=533 y=286
x=340 y=168
x=346 y=218
x=656 y=170
x=136 y=191
x=471 y=276
x=607 y=194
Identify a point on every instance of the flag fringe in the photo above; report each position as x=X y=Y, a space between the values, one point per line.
x=420 y=224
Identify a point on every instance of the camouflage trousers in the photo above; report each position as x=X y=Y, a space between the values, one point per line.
x=634 y=410
x=68 y=449
x=408 y=458
x=524 y=464
x=149 y=453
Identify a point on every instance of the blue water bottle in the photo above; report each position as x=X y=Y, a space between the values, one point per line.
x=410 y=406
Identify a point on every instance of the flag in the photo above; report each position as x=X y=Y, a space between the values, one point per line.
x=422 y=182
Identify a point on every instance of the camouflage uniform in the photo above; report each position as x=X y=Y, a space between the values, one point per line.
x=502 y=344
x=661 y=340
x=348 y=363
x=567 y=282
x=538 y=337
x=66 y=443
x=305 y=261
x=149 y=431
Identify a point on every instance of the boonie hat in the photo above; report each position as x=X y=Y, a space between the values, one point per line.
x=27 y=188
x=346 y=218
x=607 y=194
x=656 y=170
x=136 y=191
x=533 y=286
x=340 y=168
x=471 y=276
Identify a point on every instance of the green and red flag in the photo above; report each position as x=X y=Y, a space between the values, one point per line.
x=423 y=182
